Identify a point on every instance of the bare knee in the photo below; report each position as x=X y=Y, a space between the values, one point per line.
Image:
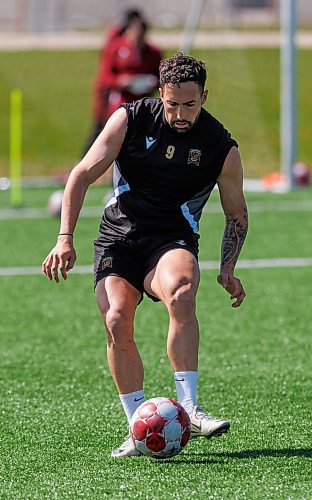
x=119 y=327
x=182 y=298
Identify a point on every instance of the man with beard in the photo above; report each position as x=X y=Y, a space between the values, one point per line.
x=169 y=153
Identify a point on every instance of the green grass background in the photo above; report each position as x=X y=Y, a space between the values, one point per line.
x=244 y=93
x=60 y=414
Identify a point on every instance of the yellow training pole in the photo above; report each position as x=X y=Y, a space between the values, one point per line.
x=16 y=147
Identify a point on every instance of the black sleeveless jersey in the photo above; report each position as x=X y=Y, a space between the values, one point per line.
x=163 y=178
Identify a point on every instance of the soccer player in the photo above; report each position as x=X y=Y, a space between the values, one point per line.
x=169 y=153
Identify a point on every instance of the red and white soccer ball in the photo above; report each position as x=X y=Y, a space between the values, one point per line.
x=160 y=428
x=302 y=174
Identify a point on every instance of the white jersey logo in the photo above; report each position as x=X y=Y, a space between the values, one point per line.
x=149 y=142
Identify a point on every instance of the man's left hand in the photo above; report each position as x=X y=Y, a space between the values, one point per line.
x=233 y=286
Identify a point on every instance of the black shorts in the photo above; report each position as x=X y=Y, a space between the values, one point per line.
x=133 y=259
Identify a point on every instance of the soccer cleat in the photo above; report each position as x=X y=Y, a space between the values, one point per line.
x=126 y=449
x=205 y=425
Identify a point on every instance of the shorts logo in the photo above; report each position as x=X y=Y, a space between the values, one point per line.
x=181 y=242
x=107 y=262
x=194 y=156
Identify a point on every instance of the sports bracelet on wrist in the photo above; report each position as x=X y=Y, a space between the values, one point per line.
x=66 y=234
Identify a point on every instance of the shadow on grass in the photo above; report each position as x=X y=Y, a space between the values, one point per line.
x=268 y=452
x=211 y=458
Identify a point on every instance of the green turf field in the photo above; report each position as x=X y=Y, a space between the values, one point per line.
x=244 y=93
x=60 y=414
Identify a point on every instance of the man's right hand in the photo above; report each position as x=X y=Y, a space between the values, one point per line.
x=61 y=258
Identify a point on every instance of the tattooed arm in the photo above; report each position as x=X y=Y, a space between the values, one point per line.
x=230 y=184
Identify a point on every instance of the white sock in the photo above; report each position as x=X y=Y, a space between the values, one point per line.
x=186 y=386
x=131 y=401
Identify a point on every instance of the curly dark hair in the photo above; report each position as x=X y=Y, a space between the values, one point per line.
x=181 y=68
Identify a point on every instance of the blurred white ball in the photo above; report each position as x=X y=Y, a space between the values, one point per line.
x=55 y=203
x=4 y=183
x=142 y=84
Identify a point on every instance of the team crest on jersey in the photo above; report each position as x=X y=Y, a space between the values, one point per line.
x=106 y=262
x=194 y=157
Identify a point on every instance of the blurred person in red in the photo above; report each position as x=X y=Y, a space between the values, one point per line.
x=128 y=70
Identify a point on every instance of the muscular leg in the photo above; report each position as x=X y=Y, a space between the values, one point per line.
x=117 y=301
x=175 y=281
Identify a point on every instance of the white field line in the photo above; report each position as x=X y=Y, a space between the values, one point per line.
x=262 y=263
x=204 y=265
x=212 y=207
x=42 y=213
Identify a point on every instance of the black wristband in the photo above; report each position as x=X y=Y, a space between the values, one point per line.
x=66 y=234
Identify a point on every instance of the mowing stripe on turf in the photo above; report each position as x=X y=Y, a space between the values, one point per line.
x=204 y=265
